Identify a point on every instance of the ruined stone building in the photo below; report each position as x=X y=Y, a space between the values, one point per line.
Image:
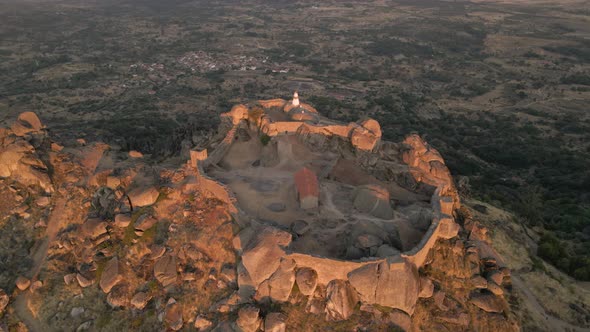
x=306 y=183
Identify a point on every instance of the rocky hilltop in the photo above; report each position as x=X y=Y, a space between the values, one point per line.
x=281 y=219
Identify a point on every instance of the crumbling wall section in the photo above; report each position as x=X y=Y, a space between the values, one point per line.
x=210 y=188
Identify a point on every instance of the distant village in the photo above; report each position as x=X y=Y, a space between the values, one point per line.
x=202 y=62
x=205 y=62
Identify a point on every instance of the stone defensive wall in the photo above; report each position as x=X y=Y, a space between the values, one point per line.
x=214 y=189
x=208 y=186
x=363 y=136
x=290 y=127
x=378 y=281
x=393 y=281
x=427 y=166
x=443 y=224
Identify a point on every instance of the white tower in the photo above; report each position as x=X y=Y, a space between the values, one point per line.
x=295 y=99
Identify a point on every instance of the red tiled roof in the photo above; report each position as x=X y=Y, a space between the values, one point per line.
x=307 y=183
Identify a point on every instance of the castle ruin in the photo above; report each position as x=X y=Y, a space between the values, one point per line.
x=380 y=207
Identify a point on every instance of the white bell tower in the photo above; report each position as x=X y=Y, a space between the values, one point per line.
x=295 y=99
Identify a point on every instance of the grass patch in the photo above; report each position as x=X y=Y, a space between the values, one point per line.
x=264 y=139
x=149 y=234
x=100 y=268
x=102 y=321
x=153 y=286
x=161 y=197
x=384 y=310
x=130 y=235
x=538 y=264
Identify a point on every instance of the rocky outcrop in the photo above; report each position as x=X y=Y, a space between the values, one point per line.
x=262 y=256
x=94 y=228
x=386 y=250
x=173 y=315
x=366 y=136
x=249 y=319
x=278 y=287
x=374 y=200
x=104 y=202
x=341 y=300
x=18 y=157
x=143 y=196
x=390 y=284
x=144 y=222
x=275 y=322
x=237 y=114
x=165 y=270
x=427 y=166
x=426 y=288
x=140 y=300
x=202 y=323
x=27 y=122
x=135 y=154
x=487 y=302
x=307 y=280
x=326 y=269
x=22 y=283
x=366 y=241
x=269 y=268
x=119 y=296
x=84 y=281
x=190 y=252
x=4 y=299
x=110 y=275
x=122 y=220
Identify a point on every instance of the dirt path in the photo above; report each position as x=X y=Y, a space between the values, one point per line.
x=329 y=204
x=39 y=256
x=26 y=316
x=53 y=226
x=285 y=152
x=552 y=323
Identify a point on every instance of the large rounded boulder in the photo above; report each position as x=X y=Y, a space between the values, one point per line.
x=374 y=200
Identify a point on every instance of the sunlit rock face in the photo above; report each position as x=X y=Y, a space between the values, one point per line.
x=19 y=159
x=272 y=209
x=27 y=122
x=367 y=135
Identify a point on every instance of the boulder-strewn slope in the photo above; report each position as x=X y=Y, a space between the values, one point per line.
x=93 y=239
